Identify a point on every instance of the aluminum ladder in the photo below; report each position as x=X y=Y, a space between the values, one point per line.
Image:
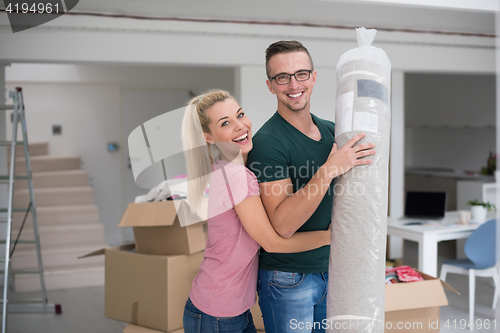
x=33 y=305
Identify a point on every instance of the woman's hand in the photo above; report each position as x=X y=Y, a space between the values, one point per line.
x=342 y=160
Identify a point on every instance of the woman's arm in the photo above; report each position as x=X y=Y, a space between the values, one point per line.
x=256 y=223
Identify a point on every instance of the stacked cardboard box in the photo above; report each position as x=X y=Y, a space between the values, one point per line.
x=147 y=283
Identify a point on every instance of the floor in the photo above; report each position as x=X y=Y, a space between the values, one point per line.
x=457 y=313
x=83 y=311
x=458 y=308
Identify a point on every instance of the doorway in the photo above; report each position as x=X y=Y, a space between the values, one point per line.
x=138 y=107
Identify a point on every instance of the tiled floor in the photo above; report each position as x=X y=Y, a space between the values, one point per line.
x=457 y=313
x=83 y=308
x=82 y=312
x=458 y=308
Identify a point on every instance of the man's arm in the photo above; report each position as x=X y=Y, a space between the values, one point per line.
x=256 y=223
x=288 y=211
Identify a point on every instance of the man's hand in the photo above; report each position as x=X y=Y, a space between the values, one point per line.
x=342 y=160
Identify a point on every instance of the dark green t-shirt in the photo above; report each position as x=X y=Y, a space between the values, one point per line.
x=281 y=151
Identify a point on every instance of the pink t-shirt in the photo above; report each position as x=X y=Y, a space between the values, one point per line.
x=226 y=283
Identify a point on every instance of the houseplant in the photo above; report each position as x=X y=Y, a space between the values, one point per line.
x=479 y=209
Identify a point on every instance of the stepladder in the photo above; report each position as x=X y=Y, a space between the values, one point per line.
x=6 y=212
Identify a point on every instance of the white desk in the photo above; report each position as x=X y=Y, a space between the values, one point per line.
x=428 y=235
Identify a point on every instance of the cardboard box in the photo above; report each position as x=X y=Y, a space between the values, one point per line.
x=147 y=290
x=414 y=306
x=257 y=316
x=130 y=328
x=157 y=229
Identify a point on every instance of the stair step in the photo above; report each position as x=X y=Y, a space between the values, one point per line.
x=92 y=245
x=44 y=163
x=58 y=196
x=59 y=215
x=21 y=241
x=35 y=149
x=64 y=178
x=57 y=256
x=75 y=276
x=4 y=179
x=59 y=235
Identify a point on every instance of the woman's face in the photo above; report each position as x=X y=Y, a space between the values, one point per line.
x=229 y=127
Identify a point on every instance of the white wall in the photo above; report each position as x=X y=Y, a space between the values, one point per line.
x=252 y=93
x=450 y=120
x=3 y=150
x=3 y=133
x=150 y=45
x=90 y=117
x=109 y=40
x=3 y=159
x=86 y=101
x=487 y=5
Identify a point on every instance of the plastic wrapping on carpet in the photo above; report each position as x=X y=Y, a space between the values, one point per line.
x=359 y=218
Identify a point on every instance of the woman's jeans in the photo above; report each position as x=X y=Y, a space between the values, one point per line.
x=293 y=302
x=196 y=321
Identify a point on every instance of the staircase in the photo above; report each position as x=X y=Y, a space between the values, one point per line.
x=68 y=222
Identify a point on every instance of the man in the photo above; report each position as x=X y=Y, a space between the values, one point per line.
x=295 y=159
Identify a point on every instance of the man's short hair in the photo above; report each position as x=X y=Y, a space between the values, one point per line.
x=285 y=46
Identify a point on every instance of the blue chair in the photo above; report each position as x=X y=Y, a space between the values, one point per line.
x=480 y=250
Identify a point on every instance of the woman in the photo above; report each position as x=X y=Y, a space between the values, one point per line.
x=224 y=289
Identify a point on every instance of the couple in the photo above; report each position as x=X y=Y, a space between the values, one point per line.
x=272 y=204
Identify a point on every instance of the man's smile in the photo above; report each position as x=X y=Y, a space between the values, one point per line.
x=295 y=95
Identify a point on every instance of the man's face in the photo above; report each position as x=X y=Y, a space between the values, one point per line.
x=294 y=95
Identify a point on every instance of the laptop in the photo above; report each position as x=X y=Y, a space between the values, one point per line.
x=423 y=205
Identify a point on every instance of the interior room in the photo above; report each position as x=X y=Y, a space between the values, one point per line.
x=89 y=77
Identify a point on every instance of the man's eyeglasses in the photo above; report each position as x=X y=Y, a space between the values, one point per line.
x=284 y=78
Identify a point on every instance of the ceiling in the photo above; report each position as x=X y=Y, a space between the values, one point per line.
x=322 y=12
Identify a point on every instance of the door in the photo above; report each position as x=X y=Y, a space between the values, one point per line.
x=138 y=107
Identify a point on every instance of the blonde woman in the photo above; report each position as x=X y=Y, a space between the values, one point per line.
x=217 y=136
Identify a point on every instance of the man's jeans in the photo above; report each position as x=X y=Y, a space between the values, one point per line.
x=196 y=321
x=293 y=302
